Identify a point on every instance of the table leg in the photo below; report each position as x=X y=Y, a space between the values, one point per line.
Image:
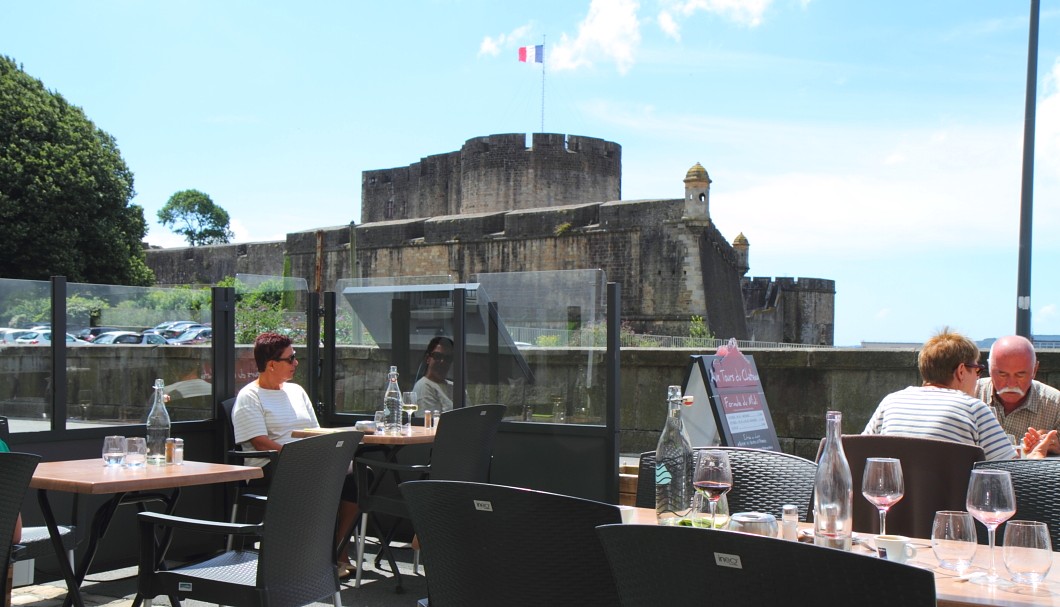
x=73 y=586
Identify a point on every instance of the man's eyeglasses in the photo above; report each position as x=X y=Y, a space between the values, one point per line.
x=978 y=368
x=287 y=359
x=442 y=358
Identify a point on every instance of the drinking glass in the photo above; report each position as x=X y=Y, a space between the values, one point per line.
x=135 y=451
x=953 y=539
x=882 y=485
x=713 y=478
x=114 y=450
x=408 y=405
x=991 y=501
x=1028 y=553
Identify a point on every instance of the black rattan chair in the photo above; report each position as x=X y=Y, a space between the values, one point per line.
x=936 y=478
x=36 y=541
x=252 y=494
x=1035 y=483
x=16 y=470
x=660 y=565
x=762 y=481
x=486 y=545
x=296 y=562
x=462 y=451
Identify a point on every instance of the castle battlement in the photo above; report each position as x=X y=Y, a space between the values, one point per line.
x=496 y=173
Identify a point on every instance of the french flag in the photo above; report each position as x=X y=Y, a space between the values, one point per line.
x=532 y=54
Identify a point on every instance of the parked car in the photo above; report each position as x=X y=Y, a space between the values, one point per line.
x=198 y=335
x=8 y=336
x=179 y=329
x=44 y=338
x=130 y=338
x=91 y=333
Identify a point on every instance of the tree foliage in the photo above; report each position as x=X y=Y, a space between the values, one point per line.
x=64 y=191
x=193 y=215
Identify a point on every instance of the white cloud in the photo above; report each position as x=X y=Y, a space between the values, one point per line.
x=610 y=32
x=668 y=25
x=746 y=12
x=1047 y=311
x=882 y=314
x=1047 y=124
x=492 y=46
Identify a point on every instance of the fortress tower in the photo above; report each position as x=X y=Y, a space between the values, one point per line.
x=496 y=173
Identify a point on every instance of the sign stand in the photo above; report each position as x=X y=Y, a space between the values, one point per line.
x=729 y=406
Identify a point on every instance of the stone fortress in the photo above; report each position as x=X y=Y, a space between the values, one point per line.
x=499 y=205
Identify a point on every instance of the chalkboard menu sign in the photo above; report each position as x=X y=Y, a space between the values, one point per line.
x=729 y=407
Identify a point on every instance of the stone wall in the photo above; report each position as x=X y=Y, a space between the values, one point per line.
x=496 y=173
x=207 y=265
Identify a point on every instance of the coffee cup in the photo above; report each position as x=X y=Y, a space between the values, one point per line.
x=895 y=548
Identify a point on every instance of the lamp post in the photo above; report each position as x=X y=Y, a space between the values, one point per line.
x=1023 y=281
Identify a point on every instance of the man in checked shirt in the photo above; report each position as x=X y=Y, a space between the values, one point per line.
x=1025 y=407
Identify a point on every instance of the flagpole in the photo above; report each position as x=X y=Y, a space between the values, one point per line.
x=542 y=83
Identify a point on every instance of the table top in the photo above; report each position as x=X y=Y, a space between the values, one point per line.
x=93 y=477
x=950 y=590
x=418 y=435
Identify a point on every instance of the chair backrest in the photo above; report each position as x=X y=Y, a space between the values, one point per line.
x=16 y=470
x=762 y=481
x=486 y=545
x=936 y=478
x=297 y=559
x=1035 y=483
x=226 y=412
x=463 y=445
x=662 y=565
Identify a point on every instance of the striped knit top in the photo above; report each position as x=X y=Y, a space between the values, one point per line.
x=944 y=414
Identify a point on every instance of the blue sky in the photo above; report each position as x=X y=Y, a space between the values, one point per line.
x=877 y=144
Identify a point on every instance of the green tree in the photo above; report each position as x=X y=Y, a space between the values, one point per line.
x=64 y=191
x=193 y=215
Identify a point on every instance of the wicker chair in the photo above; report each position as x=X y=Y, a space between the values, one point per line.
x=657 y=565
x=247 y=494
x=762 y=481
x=1035 y=482
x=487 y=545
x=36 y=541
x=462 y=451
x=936 y=478
x=296 y=562
x=16 y=470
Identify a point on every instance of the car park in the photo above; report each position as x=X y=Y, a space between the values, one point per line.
x=8 y=336
x=130 y=338
x=179 y=329
x=44 y=338
x=197 y=335
x=91 y=333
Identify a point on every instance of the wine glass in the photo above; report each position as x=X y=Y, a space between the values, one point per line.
x=953 y=539
x=713 y=478
x=408 y=406
x=991 y=501
x=1028 y=553
x=882 y=484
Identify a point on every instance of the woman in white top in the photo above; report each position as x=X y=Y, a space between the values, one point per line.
x=433 y=391
x=270 y=408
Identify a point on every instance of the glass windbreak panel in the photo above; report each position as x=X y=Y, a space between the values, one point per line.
x=122 y=339
x=25 y=360
x=557 y=321
x=273 y=304
x=361 y=364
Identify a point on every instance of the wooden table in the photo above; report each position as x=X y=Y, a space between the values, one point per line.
x=417 y=435
x=127 y=486
x=949 y=590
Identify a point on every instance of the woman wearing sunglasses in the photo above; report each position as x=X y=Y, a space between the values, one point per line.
x=434 y=391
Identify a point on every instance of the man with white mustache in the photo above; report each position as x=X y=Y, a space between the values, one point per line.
x=1025 y=407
